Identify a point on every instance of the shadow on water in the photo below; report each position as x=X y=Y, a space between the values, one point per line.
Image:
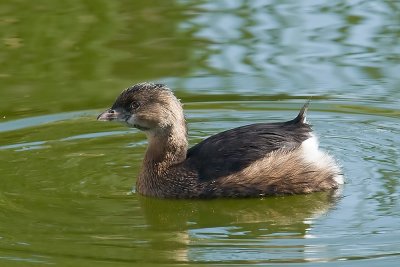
x=273 y=213
x=254 y=224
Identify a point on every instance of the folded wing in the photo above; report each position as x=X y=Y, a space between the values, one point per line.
x=233 y=150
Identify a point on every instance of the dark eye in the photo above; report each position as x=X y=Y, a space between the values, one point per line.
x=134 y=105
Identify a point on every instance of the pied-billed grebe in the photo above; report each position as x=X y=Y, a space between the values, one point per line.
x=249 y=161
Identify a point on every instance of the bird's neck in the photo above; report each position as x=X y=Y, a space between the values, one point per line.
x=165 y=149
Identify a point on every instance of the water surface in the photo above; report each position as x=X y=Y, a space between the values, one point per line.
x=66 y=180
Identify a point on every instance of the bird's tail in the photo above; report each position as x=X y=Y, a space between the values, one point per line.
x=302 y=116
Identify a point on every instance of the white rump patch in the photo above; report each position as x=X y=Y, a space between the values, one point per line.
x=339 y=179
x=312 y=154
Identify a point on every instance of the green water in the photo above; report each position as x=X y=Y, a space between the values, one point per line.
x=66 y=180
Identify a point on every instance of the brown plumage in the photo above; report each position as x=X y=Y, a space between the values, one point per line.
x=249 y=161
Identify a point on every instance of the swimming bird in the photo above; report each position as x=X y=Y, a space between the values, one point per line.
x=256 y=160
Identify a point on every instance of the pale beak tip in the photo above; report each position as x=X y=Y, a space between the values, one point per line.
x=105 y=116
